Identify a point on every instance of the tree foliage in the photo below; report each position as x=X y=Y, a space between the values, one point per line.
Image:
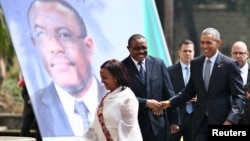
x=6 y=46
x=7 y=52
x=10 y=98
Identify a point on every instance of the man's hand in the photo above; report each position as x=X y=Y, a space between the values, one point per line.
x=248 y=95
x=174 y=128
x=165 y=104
x=194 y=99
x=155 y=106
x=227 y=122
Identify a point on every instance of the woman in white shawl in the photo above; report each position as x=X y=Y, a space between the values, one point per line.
x=116 y=116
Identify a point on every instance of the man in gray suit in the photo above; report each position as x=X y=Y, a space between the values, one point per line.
x=151 y=84
x=61 y=38
x=216 y=80
x=240 y=53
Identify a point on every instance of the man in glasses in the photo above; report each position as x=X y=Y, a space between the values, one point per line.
x=60 y=35
x=240 y=53
x=151 y=84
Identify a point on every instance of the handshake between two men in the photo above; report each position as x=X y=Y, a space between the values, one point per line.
x=157 y=106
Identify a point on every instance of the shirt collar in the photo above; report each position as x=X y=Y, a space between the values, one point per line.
x=136 y=62
x=244 y=68
x=213 y=58
x=184 y=65
x=90 y=99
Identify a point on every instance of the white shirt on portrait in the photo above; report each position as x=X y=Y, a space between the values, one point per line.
x=91 y=101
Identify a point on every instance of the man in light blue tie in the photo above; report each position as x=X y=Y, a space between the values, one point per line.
x=179 y=75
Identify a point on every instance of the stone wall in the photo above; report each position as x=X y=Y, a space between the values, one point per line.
x=11 y=121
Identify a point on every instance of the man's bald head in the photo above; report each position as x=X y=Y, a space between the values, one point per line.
x=240 y=52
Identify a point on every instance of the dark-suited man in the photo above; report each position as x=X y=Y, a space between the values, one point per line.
x=240 y=53
x=28 y=118
x=156 y=87
x=216 y=80
x=179 y=76
x=61 y=38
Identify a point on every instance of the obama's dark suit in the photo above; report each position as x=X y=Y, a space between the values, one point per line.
x=224 y=99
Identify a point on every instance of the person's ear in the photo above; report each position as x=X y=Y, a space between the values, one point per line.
x=128 y=47
x=89 y=42
x=33 y=41
x=219 y=42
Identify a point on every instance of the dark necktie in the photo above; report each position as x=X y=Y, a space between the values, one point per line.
x=142 y=73
x=189 y=106
x=207 y=73
x=81 y=109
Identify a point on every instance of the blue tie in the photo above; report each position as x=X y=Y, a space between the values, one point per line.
x=189 y=106
x=81 y=109
x=142 y=73
x=186 y=77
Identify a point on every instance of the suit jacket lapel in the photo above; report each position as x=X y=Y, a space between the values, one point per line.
x=198 y=69
x=149 y=67
x=179 y=74
x=248 y=74
x=56 y=113
x=215 y=72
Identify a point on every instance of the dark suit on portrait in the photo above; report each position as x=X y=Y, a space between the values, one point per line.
x=51 y=117
x=158 y=87
x=176 y=77
x=213 y=106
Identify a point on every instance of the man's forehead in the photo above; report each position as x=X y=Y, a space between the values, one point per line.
x=239 y=48
x=50 y=5
x=139 y=40
x=207 y=36
x=49 y=10
x=240 y=45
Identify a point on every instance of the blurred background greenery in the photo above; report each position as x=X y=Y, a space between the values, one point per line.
x=10 y=93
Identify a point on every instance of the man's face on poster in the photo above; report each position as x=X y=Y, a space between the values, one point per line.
x=65 y=50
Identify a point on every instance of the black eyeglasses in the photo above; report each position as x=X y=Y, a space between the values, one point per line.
x=139 y=48
x=64 y=37
x=240 y=53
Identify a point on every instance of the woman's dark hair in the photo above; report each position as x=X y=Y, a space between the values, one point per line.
x=118 y=70
x=247 y=87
